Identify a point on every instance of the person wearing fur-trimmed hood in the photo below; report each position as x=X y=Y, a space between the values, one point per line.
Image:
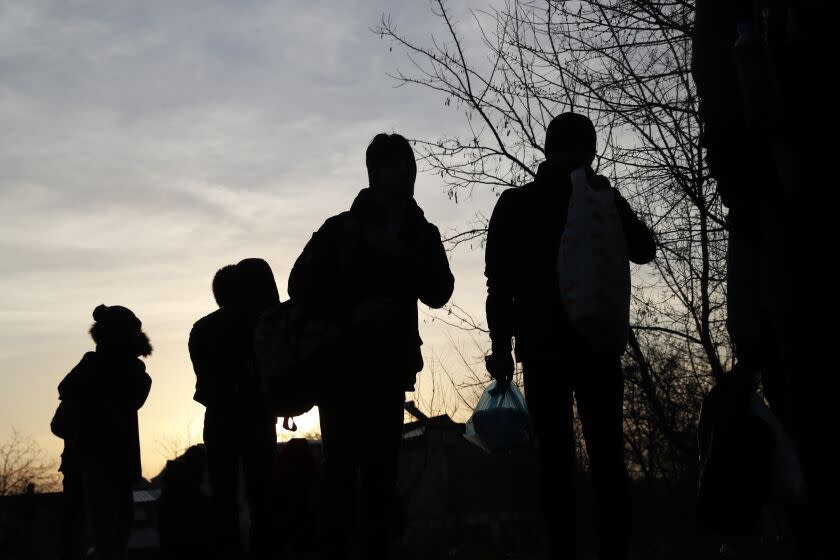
x=103 y=392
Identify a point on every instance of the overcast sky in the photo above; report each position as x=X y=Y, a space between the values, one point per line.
x=145 y=144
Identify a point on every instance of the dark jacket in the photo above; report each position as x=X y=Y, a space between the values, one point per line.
x=725 y=135
x=107 y=391
x=523 y=296
x=222 y=343
x=344 y=265
x=743 y=127
x=222 y=356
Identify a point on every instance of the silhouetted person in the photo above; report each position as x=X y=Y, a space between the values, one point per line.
x=237 y=425
x=750 y=65
x=366 y=269
x=740 y=157
x=524 y=302
x=107 y=388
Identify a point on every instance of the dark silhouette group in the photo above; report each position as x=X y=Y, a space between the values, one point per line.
x=366 y=269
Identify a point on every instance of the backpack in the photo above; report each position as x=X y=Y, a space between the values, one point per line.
x=296 y=350
x=593 y=268
x=64 y=423
x=293 y=352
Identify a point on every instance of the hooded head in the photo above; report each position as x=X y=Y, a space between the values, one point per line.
x=256 y=283
x=117 y=330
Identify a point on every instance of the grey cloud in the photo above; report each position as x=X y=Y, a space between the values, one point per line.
x=145 y=144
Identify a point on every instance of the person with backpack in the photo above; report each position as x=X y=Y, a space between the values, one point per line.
x=237 y=424
x=101 y=397
x=560 y=364
x=365 y=270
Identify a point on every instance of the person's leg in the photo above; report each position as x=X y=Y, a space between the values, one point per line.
x=222 y=470
x=549 y=397
x=781 y=362
x=800 y=417
x=123 y=509
x=339 y=436
x=599 y=393
x=260 y=439
x=72 y=530
x=809 y=343
x=96 y=505
x=105 y=508
x=811 y=522
x=378 y=471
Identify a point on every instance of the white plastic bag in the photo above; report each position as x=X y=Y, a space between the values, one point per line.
x=500 y=420
x=593 y=268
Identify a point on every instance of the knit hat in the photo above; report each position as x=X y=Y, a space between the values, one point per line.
x=116 y=316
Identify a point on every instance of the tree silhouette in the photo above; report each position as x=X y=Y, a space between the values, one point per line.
x=23 y=462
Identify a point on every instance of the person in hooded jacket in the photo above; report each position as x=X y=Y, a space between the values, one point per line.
x=237 y=424
x=524 y=303
x=106 y=390
x=366 y=269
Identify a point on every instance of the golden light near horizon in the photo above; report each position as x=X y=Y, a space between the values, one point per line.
x=307 y=425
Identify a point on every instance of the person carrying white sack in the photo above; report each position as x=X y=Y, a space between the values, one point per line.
x=561 y=359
